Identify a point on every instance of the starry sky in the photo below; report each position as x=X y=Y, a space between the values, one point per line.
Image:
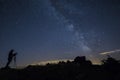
x=43 y=30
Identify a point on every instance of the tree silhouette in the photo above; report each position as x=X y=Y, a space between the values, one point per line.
x=111 y=65
x=82 y=60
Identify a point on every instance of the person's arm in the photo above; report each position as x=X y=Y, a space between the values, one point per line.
x=14 y=54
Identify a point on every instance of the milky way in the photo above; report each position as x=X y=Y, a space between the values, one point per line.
x=85 y=39
x=83 y=18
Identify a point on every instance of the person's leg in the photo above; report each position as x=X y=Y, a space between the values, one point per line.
x=8 y=63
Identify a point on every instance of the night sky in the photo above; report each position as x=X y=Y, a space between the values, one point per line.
x=43 y=30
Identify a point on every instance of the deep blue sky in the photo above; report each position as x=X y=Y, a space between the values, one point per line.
x=58 y=29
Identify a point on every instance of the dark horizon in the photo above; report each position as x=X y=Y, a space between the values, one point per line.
x=78 y=69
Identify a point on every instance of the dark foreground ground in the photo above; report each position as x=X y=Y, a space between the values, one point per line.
x=76 y=70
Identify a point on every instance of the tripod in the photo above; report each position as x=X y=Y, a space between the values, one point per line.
x=15 y=63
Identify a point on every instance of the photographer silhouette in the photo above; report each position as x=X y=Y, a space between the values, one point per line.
x=11 y=56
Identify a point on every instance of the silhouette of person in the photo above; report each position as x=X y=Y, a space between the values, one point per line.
x=11 y=55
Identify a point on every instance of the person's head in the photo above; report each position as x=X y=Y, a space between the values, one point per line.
x=12 y=50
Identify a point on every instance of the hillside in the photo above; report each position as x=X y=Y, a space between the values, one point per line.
x=79 y=69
